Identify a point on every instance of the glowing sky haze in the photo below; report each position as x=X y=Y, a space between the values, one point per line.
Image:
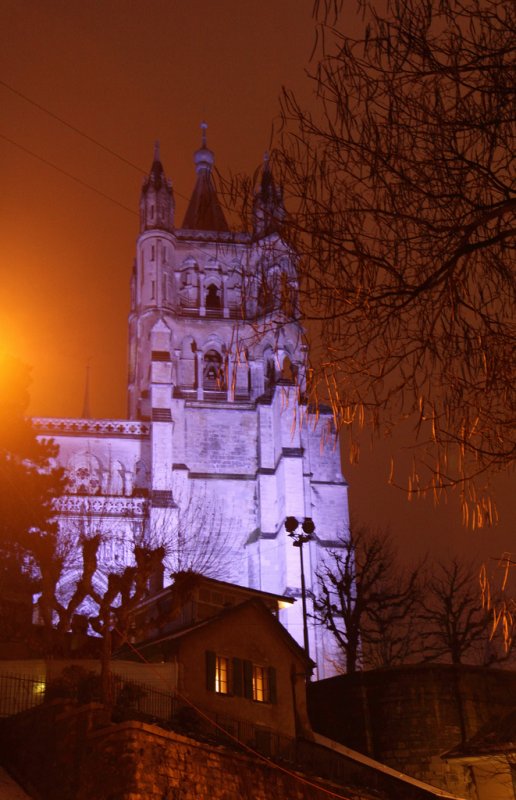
x=127 y=74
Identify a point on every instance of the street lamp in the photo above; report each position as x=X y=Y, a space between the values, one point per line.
x=299 y=539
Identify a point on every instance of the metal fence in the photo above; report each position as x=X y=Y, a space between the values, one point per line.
x=19 y=693
x=135 y=700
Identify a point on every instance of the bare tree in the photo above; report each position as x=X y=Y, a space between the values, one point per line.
x=103 y=597
x=91 y=543
x=389 y=636
x=125 y=590
x=198 y=534
x=454 y=625
x=98 y=538
x=367 y=601
x=399 y=184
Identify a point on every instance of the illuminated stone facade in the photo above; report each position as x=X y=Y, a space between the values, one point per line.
x=220 y=446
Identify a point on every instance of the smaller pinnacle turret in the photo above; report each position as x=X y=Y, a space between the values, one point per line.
x=157 y=198
x=86 y=412
x=268 y=206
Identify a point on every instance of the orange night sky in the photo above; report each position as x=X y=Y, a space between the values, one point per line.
x=126 y=73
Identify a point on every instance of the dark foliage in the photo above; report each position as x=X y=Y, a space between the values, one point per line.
x=29 y=484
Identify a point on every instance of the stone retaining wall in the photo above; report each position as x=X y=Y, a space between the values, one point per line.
x=60 y=752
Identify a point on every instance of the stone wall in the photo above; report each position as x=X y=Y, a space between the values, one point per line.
x=408 y=716
x=65 y=753
x=221 y=441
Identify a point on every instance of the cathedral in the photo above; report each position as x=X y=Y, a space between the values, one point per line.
x=220 y=445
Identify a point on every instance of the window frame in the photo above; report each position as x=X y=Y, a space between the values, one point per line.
x=222 y=674
x=241 y=679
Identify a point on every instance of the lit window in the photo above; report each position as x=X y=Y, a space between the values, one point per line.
x=260 y=684
x=222 y=674
x=240 y=678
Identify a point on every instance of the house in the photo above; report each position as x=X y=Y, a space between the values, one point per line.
x=228 y=653
x=225 y=719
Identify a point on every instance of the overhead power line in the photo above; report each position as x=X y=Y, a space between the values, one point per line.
x=68 y=174
x=89 y=138
x=85 y=135
x=72 y=127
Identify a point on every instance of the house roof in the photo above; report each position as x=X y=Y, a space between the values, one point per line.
x=225 y=615
x=190 y=580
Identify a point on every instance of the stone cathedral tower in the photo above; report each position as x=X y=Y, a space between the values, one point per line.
x=220 y=446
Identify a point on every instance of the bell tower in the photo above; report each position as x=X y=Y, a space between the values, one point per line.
x=221 y=447
x=217 y=363
x=151 y=284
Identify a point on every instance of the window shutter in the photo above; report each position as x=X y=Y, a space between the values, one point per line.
x=237 y=677
x=272 y=685
x=210 y=671
x=248 y=679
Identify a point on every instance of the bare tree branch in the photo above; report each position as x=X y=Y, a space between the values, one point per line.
x=455 y=627
x=400 y=187
x=368 y=602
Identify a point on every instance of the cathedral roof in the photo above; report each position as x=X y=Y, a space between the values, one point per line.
x=204 y=212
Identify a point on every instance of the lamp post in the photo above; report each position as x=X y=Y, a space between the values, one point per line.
x=299 y=539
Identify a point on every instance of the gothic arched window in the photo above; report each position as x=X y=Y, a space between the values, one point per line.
x=270 y=292
x=270 y=374
x=84 y=474
x=212 y=297
x=265 y=296
x=288 y=371
x=117 y=478
x=213 y=371
x=287 y=296
x=140 y=479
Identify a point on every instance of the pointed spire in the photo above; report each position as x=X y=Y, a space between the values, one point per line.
x=157 y=173
x=157 y=198
x=86 y=412
x=204 y=212
x=268 y=207
x=204 y=158
x=267 y=187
